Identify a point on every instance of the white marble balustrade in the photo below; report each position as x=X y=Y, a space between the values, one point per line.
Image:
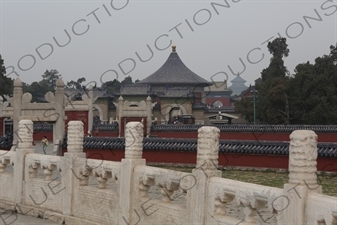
x=252 y=197
x=73 y=190
x=6 y=179
x=321 y=209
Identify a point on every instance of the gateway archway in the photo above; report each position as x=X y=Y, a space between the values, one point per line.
x=19 y=107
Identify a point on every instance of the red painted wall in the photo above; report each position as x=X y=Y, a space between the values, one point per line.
x=223 y=100
x=78 y=116
x=71 y=116
x=37 y=136
x=229 y=160
x=198 y=97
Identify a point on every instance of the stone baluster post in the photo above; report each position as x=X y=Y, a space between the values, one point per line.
x=16 y=104
x=91 y=109
x=120 y=115
x=133 y=157
x=149 y=115
x=207 y=163
x=58 y=127
x=1 y=105
x=25 y=146
x=70 y=175
x=302 y=176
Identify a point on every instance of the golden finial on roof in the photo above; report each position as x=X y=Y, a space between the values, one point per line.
x=174 y=48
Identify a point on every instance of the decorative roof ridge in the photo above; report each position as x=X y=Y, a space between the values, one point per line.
x=136 y=84
x=178 y=88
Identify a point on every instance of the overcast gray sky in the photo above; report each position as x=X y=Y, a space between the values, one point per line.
x=213 y=38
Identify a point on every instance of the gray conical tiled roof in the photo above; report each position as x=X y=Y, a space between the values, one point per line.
x=174 y=71
x=238 y=79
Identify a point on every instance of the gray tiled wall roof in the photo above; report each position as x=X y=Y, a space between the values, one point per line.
x=225 y=146
x=248 y=128
x=223 y=128
x=5 y=142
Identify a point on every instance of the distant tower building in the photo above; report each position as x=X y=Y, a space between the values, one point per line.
x=238 y=85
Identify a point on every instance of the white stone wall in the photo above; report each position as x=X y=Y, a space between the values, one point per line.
x=76 y=190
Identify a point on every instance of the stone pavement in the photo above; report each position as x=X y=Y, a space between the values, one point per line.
x=38 y=148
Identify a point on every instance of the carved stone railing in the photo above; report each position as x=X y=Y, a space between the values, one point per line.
x=71 y=189
x=43 y=185
x=7 y=179
x=6 y=158
x=172 y=184
x=162 y=193
x=96 y=192
x=100 y=169
x=48 y=163
x=321 y=209
x=251 y=197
